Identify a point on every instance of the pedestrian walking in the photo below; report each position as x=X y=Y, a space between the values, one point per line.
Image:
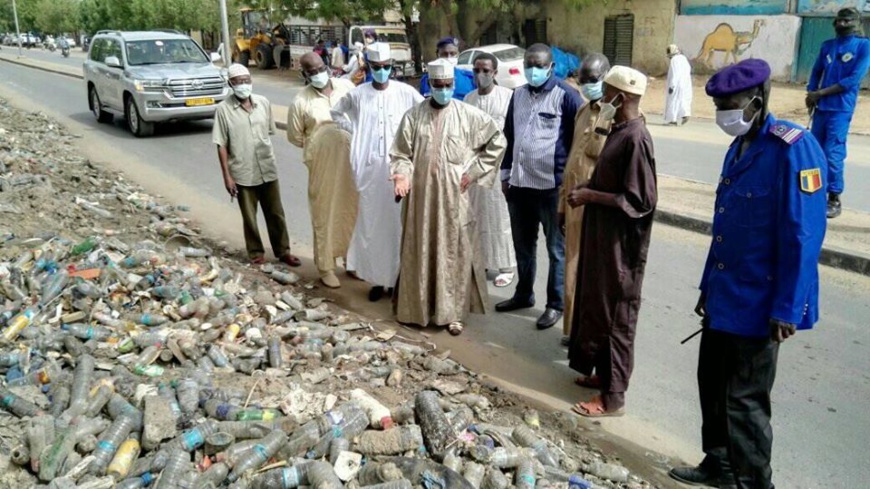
x=371 y=113
x=760 y=282
x=585 y=149
x=442 y=148
x=539 y=128
x=678 y=101
x=448 y=48
x=619 y=200
x=243 y=125
x=832 y=95
x=332 y=195
x=337 y=58
x=492 y=221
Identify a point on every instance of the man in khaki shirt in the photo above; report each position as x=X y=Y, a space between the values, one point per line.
x=332 y=195
x=243 y=125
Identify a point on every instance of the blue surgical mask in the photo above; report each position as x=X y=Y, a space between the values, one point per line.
x=593 y=91
x=381 y=76
x=537 y=76
x=442 y=95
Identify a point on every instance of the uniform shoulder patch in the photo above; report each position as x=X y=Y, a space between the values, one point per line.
x=787 y=133
x=811 y=180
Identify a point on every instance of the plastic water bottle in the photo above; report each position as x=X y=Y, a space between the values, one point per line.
x=18 y=406
x=176 y=467
x=17 y=324
x=524 y=437
x=259 y=454
x=87 y=332
x=108 y=444
x=394 y=441
x=127 y=453
x=195 y=438
x=379 y=415
x=525 y=475
x=436 y=428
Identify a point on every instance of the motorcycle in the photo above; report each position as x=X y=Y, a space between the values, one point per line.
x=65 y=51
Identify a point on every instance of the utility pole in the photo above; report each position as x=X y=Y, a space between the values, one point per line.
x=17 y=29
x=225 y=28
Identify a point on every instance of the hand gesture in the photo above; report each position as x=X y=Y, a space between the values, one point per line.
x=812 y=99
x=464 y=183
x=401 y=185
x=780 y=330
x=701 y=306
x=576 y=196
x=230 y=185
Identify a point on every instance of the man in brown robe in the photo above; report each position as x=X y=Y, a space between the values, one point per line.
x=581 y=163
x=619 y=203
x=441 y=148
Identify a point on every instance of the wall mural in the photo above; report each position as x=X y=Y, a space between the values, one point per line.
x=714 y=41
x=733 y=7
x=830 y=7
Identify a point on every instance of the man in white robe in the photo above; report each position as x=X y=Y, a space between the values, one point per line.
x=678 y=104
x=492 y=219
x=443 y=146
x=372 y=112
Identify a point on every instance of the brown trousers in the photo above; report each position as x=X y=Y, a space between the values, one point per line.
x=268 y=196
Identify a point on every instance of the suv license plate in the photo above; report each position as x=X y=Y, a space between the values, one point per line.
x=197 y=102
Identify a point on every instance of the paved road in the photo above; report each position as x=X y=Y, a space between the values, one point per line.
x=824 y=378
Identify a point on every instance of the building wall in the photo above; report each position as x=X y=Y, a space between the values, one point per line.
x=582 y=30
x=714 y=41
x=829 y=7
x=734 y=7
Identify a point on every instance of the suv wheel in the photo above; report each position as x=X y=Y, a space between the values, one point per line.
x=140 y=128
x=97 y=108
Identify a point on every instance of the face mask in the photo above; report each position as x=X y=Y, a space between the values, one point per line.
x=731 y=121
x=319 y=80
x=606 y=114
x=381 y=76
x=244 y=90
x=453 y=60
x=442 y=95
x=593 y=91
x=537 y=76
x=483 y=80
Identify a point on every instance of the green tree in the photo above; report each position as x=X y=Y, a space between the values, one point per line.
x=56 y=16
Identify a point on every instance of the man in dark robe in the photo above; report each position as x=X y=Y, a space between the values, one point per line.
x=619 y=202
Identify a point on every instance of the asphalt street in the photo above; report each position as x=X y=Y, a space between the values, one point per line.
x=823 y=384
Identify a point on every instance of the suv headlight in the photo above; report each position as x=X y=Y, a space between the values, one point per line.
x=148 y=85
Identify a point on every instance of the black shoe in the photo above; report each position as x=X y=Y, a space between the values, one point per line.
x=549 y=319
x=513 y=305
x=376 y=294
x=695 y=476
x=565 y=341
x=835 y=208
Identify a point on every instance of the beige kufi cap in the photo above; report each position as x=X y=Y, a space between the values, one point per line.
x=626 y=79
x=379 y=52
x=236 y=69
x=441 y=69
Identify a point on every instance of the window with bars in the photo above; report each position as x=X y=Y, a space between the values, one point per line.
x=619 y=39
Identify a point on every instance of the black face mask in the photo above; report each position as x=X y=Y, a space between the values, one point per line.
x=847 y=30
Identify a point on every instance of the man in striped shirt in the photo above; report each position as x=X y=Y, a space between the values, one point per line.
x=539 y=128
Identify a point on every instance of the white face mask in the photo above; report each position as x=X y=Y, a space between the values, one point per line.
x=453 y=60
x=731 y=121
x=244 y=90
x=319 y=80
x=606 y=114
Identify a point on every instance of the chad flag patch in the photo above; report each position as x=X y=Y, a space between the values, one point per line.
x=811 y=180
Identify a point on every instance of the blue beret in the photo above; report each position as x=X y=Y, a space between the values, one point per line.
x=447 y=40
x=738 y=77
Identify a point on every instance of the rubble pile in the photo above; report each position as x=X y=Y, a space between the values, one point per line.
x=134 y=355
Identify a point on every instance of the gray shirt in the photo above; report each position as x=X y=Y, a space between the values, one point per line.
x=246 y=135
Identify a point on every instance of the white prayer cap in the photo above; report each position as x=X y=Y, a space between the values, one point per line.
x=673 y=49
x=237 y=70
x=626 y=79
x=379 y=52
x=441 y=69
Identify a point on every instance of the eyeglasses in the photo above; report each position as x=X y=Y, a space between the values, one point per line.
x=381 y=67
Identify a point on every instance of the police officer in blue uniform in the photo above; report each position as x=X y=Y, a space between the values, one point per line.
x=760 y=282
x=448 y=48
x=832 y=94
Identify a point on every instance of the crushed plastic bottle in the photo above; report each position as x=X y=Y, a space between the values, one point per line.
x=437 y=431
x=390 y=442
x=258 y=454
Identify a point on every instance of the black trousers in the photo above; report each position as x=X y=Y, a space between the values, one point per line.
x=735 y=377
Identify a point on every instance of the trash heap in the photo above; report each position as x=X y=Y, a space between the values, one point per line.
x=134 y=355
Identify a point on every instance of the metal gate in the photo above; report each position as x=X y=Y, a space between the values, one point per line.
x=815 y=31
x=619 y=39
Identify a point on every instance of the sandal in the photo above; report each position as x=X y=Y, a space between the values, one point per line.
x=588 y=381
x=503 y=279
x=595 y=409
x=455 y=328
x=290 y=260
x=258 y=260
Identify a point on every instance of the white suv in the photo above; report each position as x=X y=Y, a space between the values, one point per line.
x=151 y=77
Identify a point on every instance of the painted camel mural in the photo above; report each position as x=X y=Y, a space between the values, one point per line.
x=726 y=40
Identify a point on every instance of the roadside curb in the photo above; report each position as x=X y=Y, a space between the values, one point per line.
x=831 y=256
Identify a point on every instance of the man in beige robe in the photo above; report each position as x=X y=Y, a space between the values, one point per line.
x=332 y=195
x=441 y=148
x=578 y=170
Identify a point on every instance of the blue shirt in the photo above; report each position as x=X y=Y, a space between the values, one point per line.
x=768 y=228
x=464 y=84
x=539 y=128
x=844 y=61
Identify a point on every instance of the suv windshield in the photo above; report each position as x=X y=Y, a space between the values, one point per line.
x=510 y=54
x=164 y=52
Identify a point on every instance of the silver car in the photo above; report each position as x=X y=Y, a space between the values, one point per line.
x=151 y=77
